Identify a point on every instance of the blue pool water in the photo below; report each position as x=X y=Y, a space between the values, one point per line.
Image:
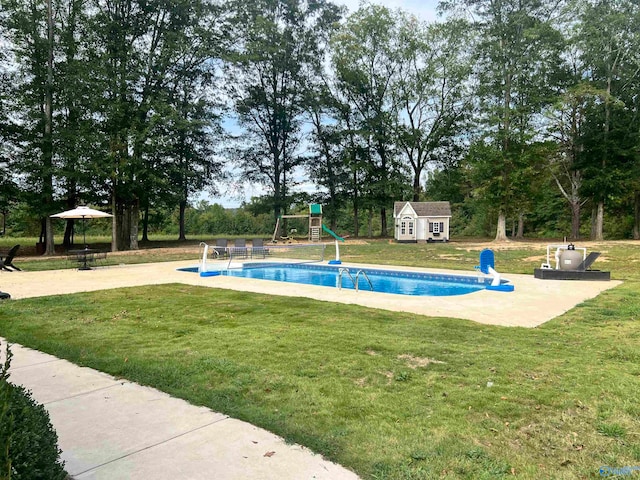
x=383 y=281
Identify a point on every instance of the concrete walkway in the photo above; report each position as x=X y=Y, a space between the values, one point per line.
x=113 y=429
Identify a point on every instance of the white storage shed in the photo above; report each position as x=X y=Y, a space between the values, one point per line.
x=421 y=221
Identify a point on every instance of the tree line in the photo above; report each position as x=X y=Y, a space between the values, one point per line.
x=519 y=112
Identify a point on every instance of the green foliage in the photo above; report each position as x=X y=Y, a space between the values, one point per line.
x=6 y=419
x=216 y=220
x=270 y=72
x=139 y=122
x=365 y=56
x=28 y=443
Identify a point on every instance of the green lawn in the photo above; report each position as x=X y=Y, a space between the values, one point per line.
x=392 y=396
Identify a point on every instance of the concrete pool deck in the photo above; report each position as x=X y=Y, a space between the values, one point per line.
x=533 y=302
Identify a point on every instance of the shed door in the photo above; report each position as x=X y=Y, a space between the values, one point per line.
x=407 y=229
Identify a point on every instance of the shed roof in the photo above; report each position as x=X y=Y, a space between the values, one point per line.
x=425 y=209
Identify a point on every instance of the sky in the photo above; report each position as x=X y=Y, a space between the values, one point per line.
x=423 y=9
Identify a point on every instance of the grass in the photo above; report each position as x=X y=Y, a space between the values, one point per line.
x=390 y=395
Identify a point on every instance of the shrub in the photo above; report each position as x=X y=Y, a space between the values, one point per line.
x=28 y=443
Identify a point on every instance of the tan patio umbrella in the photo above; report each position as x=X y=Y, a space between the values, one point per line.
x=82 y=212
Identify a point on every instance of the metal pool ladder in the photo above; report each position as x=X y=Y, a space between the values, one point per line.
x=340 y=272
x=355 y=282
x=364 y=274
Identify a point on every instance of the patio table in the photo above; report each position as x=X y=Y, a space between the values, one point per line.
x=84 y=257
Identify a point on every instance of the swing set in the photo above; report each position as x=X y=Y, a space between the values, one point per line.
x=315 y=225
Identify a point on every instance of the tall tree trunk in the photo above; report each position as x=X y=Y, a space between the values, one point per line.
x=67 y=242
x=383 y=222
x=370 y=223
x=127 y=225
x=501 y=230
x=183 y=207
x=520 y=234
x=636 y=216
x=416 y=187
x=114 y=218
x=123 y=223
x=134 y=219
x=333 y=208
x=50 y=247
x=575 y=220
x=599 y=218
x=594 y=214
x=48 y=136
x=145 y=222
x=599 y=221
x=356 y=206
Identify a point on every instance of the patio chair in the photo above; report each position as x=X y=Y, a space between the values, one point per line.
x=6 y=261
x=258 y=249
x=220 y=250
x=239 y=248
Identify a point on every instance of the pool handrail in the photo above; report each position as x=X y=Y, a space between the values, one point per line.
x=364 y=274
x=340 y=272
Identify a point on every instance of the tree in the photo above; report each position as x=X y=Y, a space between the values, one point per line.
x=365 y=56
x=277 y=52
x=76 y=134
x=30 y=29
x=135 y=47
x=518 y=57
x=180 y=158
x=431 y=91
x=567 y=121
x=328 y=165
x=609 y=35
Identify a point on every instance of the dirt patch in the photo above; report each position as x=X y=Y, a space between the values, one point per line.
x=373 y=353
x=416 y=362
x=361 y=382
x=538 y=258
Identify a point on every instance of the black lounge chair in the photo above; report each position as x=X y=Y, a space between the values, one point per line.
x=6 y=261
x=258 y=249
x=220 y=250
x=239 y=248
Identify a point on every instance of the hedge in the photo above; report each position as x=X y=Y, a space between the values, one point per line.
x=28 y=443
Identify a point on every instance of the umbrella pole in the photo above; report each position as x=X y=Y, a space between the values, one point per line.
x=86 y=247
x=84 y=234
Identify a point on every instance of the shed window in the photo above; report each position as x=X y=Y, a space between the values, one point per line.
x=436 y=227
x=406 y=226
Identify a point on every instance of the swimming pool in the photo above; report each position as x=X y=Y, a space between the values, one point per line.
x=367 y=279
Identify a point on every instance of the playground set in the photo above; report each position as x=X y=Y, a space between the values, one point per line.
x=316 y=227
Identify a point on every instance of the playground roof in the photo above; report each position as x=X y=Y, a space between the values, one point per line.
x=315 y=209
